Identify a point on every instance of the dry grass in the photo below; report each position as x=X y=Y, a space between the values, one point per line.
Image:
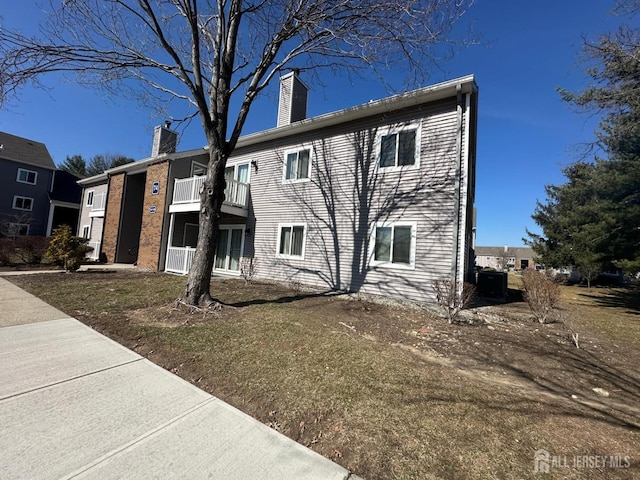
x=388 y=393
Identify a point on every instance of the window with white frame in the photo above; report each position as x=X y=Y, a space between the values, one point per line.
x=18 y=229
x=27 y=176
x=394 y=244
x=86 y=231
x=399 y=147
x=90 y=198
x=198 y=169
x=297 y=166
x=291 y=239
x=22 y=203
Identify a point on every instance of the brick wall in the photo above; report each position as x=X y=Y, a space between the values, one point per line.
x=151 y=231
x=112 y=216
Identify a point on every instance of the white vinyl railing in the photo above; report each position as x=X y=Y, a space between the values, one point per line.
x=236 y=194
x=95 y=253
x=187 y=190
x=179 y=259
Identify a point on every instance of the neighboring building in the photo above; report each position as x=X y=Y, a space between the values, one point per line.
x=506 y=258
x=375 y=199
x=64 y=201
x=34 y=197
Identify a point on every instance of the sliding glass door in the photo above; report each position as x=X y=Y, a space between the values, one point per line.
x=229 y=251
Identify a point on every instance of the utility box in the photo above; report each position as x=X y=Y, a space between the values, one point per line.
x=492 y=284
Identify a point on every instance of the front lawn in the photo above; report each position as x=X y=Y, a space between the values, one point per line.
x=391 y=393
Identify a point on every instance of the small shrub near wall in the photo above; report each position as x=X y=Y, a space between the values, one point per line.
x=452 y=297
x=542 y=294
x=31 y=250
x=22 y=250
x=66 y=249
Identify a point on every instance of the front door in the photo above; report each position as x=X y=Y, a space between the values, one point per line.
x=229 y=251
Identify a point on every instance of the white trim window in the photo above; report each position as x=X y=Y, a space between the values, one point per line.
x=198 y=169
x=190 y=234
x=297 y=165
x=22 y=203
x=394 y=245
x=90 y=194
x=18 y=229
x=240 y=172
x=86 y=231
x=291 y=240
x=399 y=148
x=27 y=176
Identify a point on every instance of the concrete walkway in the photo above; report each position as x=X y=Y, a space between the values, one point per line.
x=75 y=404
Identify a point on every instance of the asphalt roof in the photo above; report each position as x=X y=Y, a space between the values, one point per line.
x=24 y=150
x=521 y=252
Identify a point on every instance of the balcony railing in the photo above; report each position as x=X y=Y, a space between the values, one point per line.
x=187 y=190
x=99 y=202
x=95 y=253
x=179 y=259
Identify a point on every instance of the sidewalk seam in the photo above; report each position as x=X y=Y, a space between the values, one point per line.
x=138 y=439
x=66 y=380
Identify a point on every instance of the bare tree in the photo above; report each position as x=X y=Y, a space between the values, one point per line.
x=210 y=52
x=506 y=259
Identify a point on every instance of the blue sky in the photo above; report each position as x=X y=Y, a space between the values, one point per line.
x=526 y=134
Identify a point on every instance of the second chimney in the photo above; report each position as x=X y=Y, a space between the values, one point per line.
x=292 y=105
x=164 y=140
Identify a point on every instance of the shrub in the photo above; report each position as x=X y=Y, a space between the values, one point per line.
x=248 y=268
x=7 y=249
x=31 y=250
x=541 y=292
x=66 y=249
x=453 y=297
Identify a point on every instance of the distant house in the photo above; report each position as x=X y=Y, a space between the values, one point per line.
x=377 y=198
x=505 y=258
x=34 y=198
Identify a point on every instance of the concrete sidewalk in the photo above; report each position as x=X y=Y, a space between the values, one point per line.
x=73 y=403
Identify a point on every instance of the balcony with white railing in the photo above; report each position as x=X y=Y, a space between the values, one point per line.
x=98 y=205
x=186 y=196
x=179 y=259
x=95 y=253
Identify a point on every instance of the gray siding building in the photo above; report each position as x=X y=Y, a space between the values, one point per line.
x=375 y=199
x=26 y=170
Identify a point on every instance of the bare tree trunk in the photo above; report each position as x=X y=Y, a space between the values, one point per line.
x=197 y=290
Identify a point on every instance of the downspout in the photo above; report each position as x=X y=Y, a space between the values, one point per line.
x=457 y=187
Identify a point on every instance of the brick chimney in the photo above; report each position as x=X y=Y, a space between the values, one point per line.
x=164 y=140
x=292 y=105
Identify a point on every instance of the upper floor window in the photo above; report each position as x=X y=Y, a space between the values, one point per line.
x=297 y=165
x=399 y=147
x=238 y=172
x=198 y=169
x=27 y=176
x=90 y=198
x=86 y=231
x=22 y=203
x=394 y=244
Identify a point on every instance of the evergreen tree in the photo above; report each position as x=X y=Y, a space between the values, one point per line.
x=593 y=220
